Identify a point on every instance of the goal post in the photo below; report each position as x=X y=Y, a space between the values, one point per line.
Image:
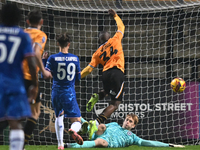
x=161 y=42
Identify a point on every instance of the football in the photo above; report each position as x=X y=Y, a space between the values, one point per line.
x=178 y=85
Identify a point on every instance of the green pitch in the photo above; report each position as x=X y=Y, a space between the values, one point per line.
x=53 y=147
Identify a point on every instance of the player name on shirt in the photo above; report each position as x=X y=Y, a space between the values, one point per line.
x=9 y=30
x=66 y=59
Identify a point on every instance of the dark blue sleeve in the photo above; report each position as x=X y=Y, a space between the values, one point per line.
x=28 y=50
x=44 y=61
x=49 y=64
x=78 y=71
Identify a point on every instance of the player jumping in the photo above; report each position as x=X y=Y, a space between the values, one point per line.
x=111 y=56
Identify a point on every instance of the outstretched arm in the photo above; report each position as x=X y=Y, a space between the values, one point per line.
x=45 y=73
x=118 y=20
x=149 y=143
x=87 y=70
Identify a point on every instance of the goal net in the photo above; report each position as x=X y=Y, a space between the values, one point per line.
x=161 y=42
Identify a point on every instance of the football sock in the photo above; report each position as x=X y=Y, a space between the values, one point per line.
x=86 y=144
x=59 y=126
x=97 y=123
x=83 y=120
x=28 y=129
x=76 y=126
x=101 y=118
x=16 y=139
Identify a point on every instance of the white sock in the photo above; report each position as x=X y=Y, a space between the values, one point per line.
x=16 y=139
x=76 y=126
x=97 y=123
x=59 y=126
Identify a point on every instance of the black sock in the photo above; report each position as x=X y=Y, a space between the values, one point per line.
x=28 y=129
x=101 y=118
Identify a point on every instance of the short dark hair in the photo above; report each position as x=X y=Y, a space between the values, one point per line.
x=34 y=17
x=63 y=40
x=103 y=37
x=10 y=15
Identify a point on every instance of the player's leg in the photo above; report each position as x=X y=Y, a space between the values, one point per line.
x=18 y=108
x=59 y=126
x=76 y=124
x=16 y=135
x=84 y=128
x=32 y=121
x=72 y=111
x=94 y=129
x=75 y=127
x=113 y=83
x=35 y=109
x=113 y=106
x=59 y=123
x=94 y=98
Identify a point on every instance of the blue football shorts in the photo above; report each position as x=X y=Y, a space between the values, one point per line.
x=14 y=106
x=65 y=99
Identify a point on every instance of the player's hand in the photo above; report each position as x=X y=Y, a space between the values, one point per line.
x=32 y=93
x=46 y=74
x=174 y=145
x=111 y=12
x=45 y=55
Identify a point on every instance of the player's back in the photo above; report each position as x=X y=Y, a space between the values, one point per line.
x=110 y=54
x=14 y=45
x=37 y=37
x=65 y=69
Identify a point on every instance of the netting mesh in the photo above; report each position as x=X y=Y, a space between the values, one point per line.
x=161 y=42
x=103 y=5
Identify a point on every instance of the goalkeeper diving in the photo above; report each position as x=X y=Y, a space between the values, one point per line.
x=113 y=135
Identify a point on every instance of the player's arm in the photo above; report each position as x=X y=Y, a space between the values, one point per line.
x=32 y=67
x=94 y=62
x=37 y=49
x=78 y=71
x=150 y=143
x=120 y=24
x=45 y=56
x=87 y=70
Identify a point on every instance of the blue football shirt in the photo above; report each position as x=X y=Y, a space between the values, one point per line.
x=65 y=69
x=15 y=45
